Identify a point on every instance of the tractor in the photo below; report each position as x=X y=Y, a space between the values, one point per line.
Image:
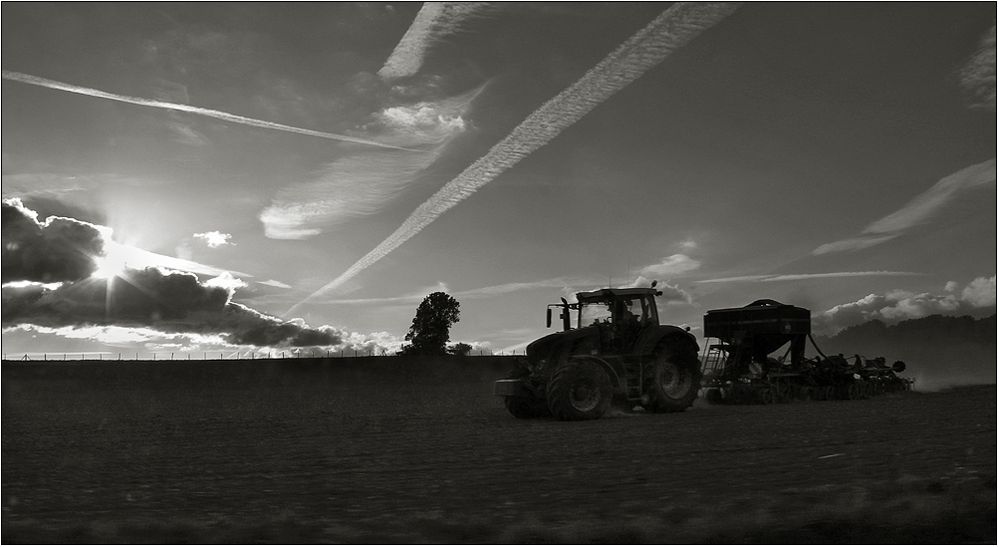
x=611 y=351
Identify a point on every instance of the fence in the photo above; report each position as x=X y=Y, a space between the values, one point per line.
x=215 y=356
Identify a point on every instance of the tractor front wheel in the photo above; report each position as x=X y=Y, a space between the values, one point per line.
x=675 y=380
x=579 y=390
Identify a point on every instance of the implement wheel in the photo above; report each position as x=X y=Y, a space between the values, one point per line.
x=580 y=390
x=674 y=380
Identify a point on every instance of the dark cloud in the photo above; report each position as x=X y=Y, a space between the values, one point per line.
x=172 y=302
x=59 y=249
x=47 y=206
x=62 y=250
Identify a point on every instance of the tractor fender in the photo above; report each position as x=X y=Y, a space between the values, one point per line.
x=651 y=339
x=611 y=373
x=552 y=349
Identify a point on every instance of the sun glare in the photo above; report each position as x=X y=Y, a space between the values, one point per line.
x=116 y=258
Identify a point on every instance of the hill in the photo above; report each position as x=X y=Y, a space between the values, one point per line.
x=940 y=351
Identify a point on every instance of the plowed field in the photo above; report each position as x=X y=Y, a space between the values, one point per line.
x=386 y=450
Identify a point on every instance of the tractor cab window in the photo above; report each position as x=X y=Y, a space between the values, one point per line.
x=633 y=310
x=627 y=310
x=595 y=313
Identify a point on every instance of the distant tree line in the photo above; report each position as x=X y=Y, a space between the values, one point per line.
x=936 y=348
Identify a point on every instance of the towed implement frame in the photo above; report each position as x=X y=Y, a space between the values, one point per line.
x=739 y=368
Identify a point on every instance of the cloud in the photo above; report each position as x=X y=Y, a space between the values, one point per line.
x=409 y=298
x=434 y=21
x=981 y=292
x=918 y=210
x=426 y=121
x=675 y=264
x=672 y=29
x=224 y=116
x=978 y=76
x=852 y=244
x=226 y=281
x=176 y=92
x=567 y=286
x=799 y=277
x=215 y=239
x=373 y=343
x=120 y=255
x=48 y=274
x=58 y=249
x=67 y=249
x=894 y=306
x=363 y=183
x=671 y=294
x=113 y=335
x=170 y=302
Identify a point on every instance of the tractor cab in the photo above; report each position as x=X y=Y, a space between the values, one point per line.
x=624 y=308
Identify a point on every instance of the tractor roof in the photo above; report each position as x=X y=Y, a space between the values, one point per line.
x=605 y=294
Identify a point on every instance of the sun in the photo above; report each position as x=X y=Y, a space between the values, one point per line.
x=116 y=259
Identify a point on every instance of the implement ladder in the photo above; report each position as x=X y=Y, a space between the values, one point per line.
x=714 y=357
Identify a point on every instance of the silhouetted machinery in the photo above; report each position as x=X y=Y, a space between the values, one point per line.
x=740 y=368
x=617 y=352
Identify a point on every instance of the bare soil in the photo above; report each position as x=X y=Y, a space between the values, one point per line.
x=390 y=450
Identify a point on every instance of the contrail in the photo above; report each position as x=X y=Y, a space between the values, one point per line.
x=433 y=21
x=672 y=29
x=217 y=114
x=918 y=210
x=798 y=277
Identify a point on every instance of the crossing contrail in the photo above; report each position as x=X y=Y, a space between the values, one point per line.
x=217 y=114
x=673 y=28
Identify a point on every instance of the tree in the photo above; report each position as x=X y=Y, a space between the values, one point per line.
x=460 y=349
x=430 y=331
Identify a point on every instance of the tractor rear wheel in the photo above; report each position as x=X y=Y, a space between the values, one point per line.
x=579 y=390
x=674 y=380
x=526 y=408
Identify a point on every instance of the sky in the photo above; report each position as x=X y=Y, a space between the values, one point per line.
x=255 y=177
